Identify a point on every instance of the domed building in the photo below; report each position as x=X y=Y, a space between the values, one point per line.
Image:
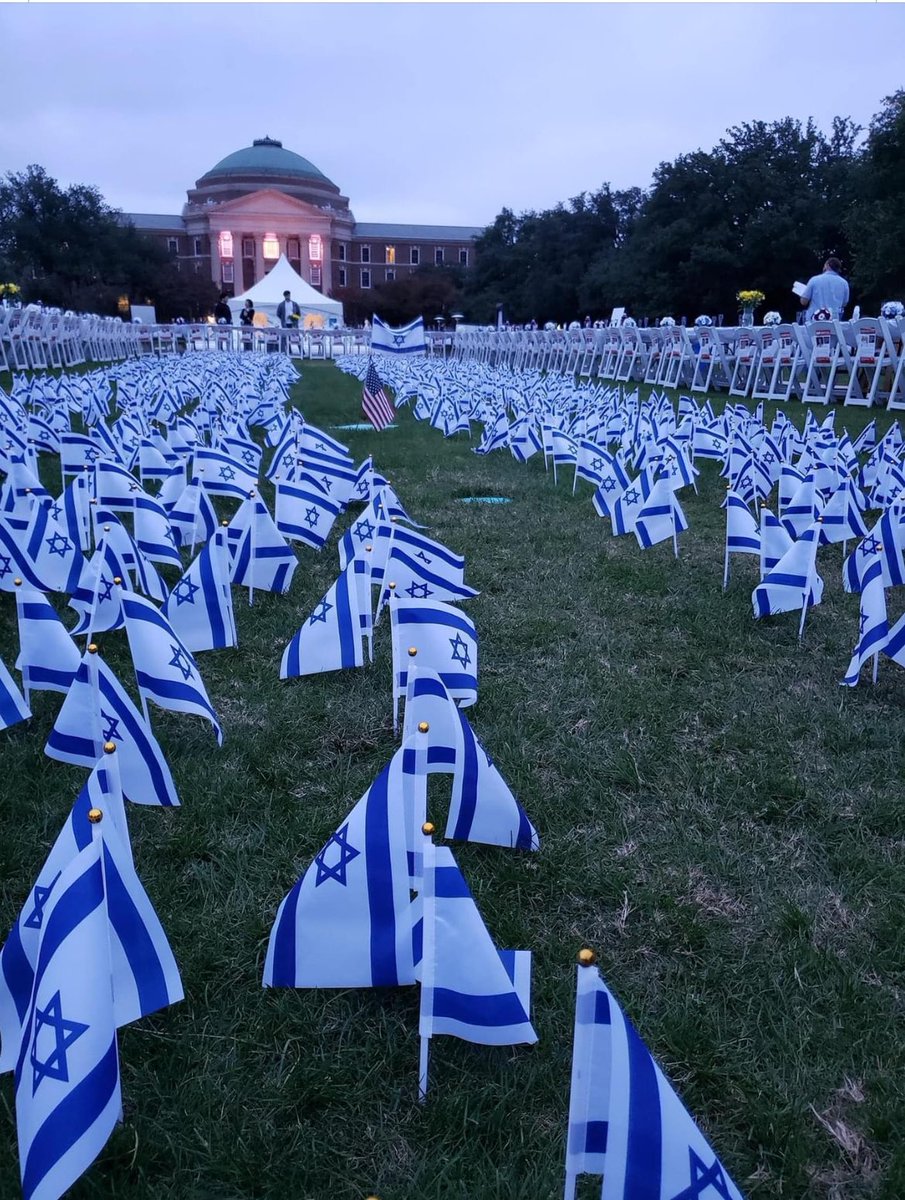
x=264 y=200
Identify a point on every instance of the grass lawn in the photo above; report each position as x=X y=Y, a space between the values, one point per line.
x=719 y=819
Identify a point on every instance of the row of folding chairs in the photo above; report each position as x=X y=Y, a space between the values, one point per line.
x=854 y=362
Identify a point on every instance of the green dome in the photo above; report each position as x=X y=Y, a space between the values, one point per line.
x=265 y=156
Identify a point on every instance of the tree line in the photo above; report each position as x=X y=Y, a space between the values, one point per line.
x=767 y=205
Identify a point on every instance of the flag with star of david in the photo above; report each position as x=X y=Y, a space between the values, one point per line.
x=115 y=487
x=482 y=807
x=624 y=511
x=304 y=511
x=841 y=517
x=660 y=516
x=887 y=538
x=72 y=511
x=144 y=973
x=13 y=706
x=222 y=474
x=77 y=452
x=613 y=482
x=335 y=475
x=110 y=531
x=361 y=536
x=97 y=599
x=331 y=637
x=97 y=709
x=873 y=628
x=444 y=640
x=653 y=1146
x=154 y=536
x=200 y=606
x=261 y=558
x=68 y=1096
x=164 y=669
x=15 y=560
x=415 y=581
x=48 y=657
x=348 y=920
x=407 y=339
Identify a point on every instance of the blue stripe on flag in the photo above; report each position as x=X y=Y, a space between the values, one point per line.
x=487 y=1012
x=384 y=972
x=141 y=953
x=644 y=1150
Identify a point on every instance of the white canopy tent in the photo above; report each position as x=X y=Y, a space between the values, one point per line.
x=318 y=311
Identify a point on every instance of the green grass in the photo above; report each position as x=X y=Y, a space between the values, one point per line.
x=719 y=819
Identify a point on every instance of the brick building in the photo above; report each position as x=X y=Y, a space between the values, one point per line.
x=264 y=200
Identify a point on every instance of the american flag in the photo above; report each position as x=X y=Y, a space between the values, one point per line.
x=376 y=407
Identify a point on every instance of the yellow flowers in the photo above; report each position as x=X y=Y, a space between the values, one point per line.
x=9 y=289
x=749 y=298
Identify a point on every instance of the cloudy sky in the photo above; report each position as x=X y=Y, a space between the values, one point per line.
x=423 y=112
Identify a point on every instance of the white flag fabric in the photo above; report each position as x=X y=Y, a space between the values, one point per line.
x=96 y=710
x=793 y=582
x=261 y=557
x=589 y=1096
x=469 y=989
x=407 y=339
x=48 y=657
x=660 y=516
x=12 y=703
x=444 y=640
x=331 y=638
x=164 y=669
x=873 y=630
x=200 y=606
x=348 y=920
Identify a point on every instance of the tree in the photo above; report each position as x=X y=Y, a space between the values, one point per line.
x=875 y=224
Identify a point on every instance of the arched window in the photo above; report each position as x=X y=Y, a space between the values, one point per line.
x=225 y=244
x=315 y=248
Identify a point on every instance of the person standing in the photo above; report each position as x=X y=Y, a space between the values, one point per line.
x=247 y=315
x=222 y=312
x=827 y=291
x=287 y=309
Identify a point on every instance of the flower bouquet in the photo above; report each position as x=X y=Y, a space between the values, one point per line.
x=703 y=320
x=9 y=292
x=892 y=310
x=750 y=298
x=772 y=318
x=667 y=322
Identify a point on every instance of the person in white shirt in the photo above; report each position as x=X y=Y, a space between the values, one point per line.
x=828 y=292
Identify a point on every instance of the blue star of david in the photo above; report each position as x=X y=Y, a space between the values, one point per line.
x=460 y=650
x=4 y=564
x=105 y=591
x=54 y=1066
x=311 y=517
x=111 y=733
x=336 y=870
x=702 y=1178
x=181 y=661
x=58 y=544
x=55 y=511
x=424 y=558
x=768 y=457
x=631 y=497
x=418 y=591
x=870 y=546
x=184 y=591
x=170 y=536
x=608 y=484
x=398 y=339
x=319 y=446
x=325 y=480
x=363 y=530
x=248 y=457
x=91 y=455
x=320 y=613
x=863 y=622
x=35 y=918
x=227 y=473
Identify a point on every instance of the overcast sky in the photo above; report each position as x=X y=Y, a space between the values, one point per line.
x=432 y=113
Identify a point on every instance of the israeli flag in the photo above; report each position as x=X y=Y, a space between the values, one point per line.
x=482 y=806
x=261 y=558
x=222 y=474
x=68 y=1096
x=660 y=517
x=407 y=339
x=164 y=669
x=428 y=633
x=793 y=583
x=331 y=638
x=874 y=626
x=589 y=1096
x=192 y=517
x=305 y=512
x=48 y=657
x=13 y=707
x=348 y=920
x=97 y=710
x=144 y=972
x=154 y=536
x=469 y=989
x=774 y=541
x=200 y=606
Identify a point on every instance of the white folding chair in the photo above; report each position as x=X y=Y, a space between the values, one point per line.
x=747 y=352
x=829 y=355
x=873 y=356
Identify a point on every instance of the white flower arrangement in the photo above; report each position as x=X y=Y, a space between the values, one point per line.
x=703 y=320
x=629 y=322
x=667 y=322
x=892 y=310
x=823 y=314
x=772 y=318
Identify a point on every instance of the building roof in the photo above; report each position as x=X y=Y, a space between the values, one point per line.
x=265 y=157
x=416 y=233
x=153 y=221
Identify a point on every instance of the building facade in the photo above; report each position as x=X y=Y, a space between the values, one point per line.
x=264 y=201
